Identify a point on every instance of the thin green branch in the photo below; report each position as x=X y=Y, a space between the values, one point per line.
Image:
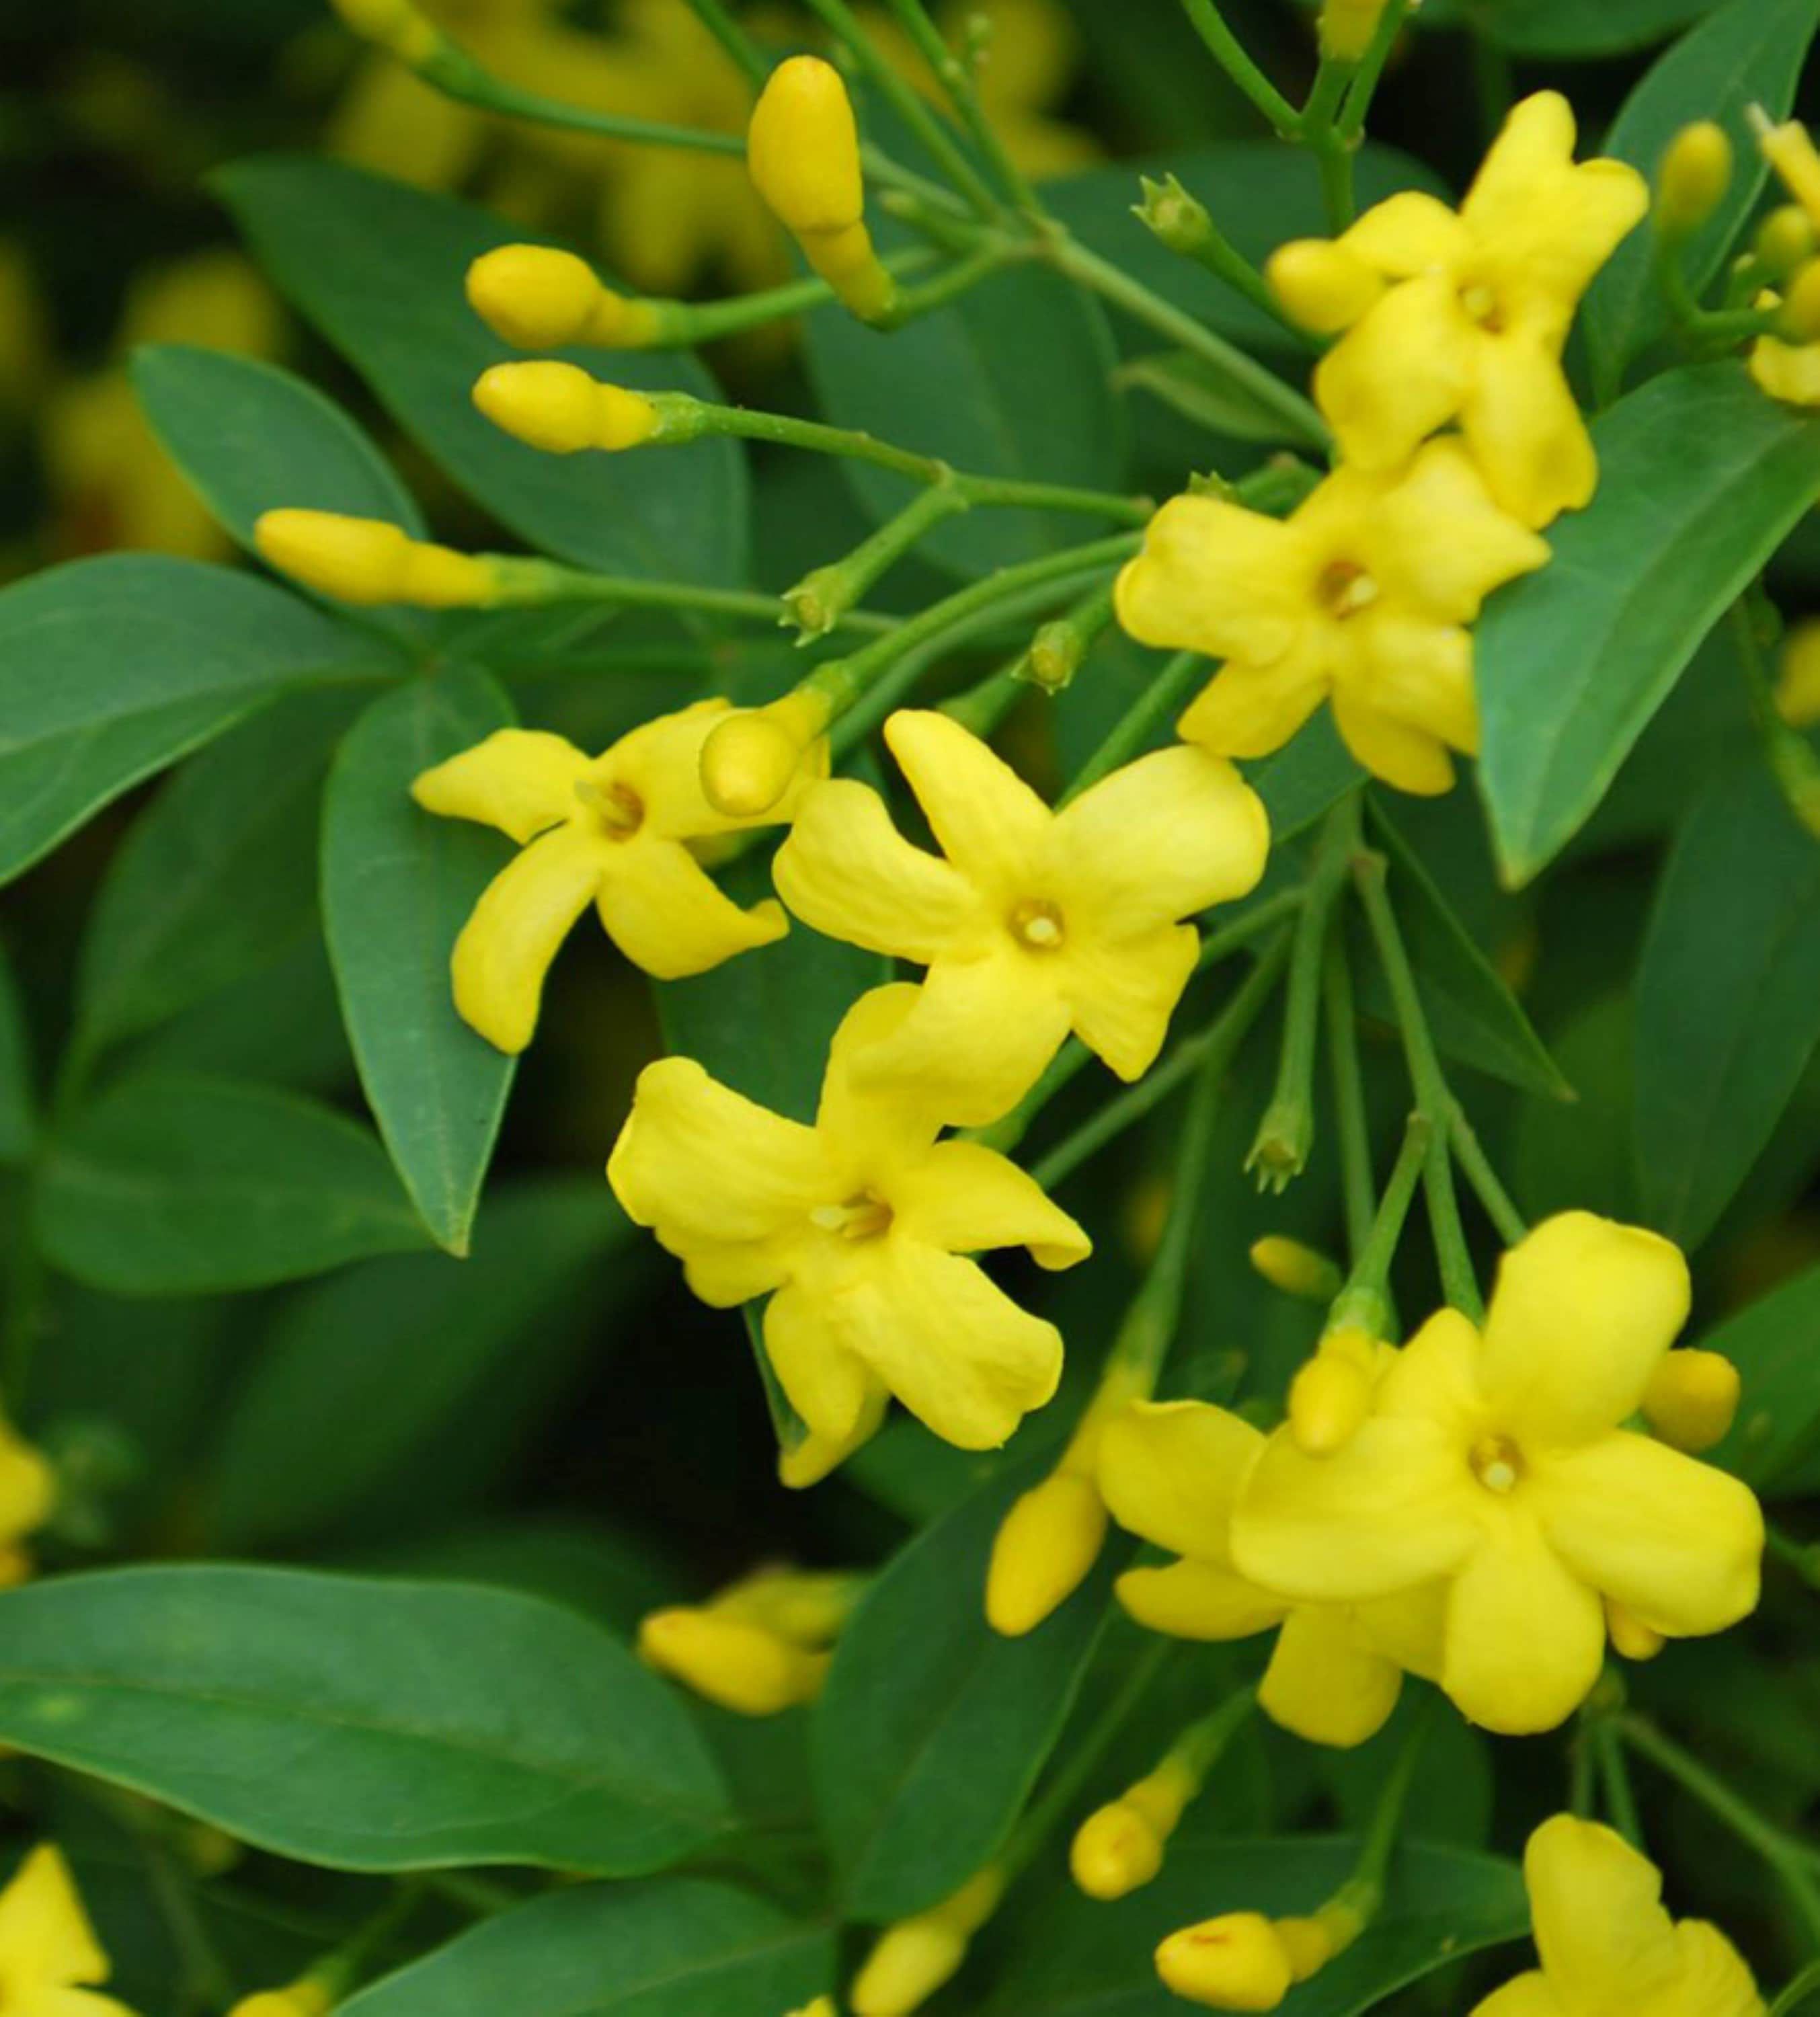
x=1351 y=1120
x=1233 y=57
x=957 y=80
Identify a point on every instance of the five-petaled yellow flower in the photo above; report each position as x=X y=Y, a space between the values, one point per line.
x=1037 y=922
x=1462 y=316
x=49 y=1956
x=1172 y=1472
x=1498 y=1464
x=1607 y=1945
x=615 y=830
x=860 y=1224
x=1362 y=596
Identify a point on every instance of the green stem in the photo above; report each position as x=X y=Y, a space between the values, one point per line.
x=1352 y=1119
x=207 y=1978
x=1318 y=131
x=957 y=80
x=1615 y=1775
x=1350 y=125
x=456 y=74
x=687 y=325
x=821 y=598
x=746 y=55
x=1364 y=1889
x=1134 y=728
x=1802 y=1557
x=1804 y=1985
x=1476 y=1167
x=1366 y=1297
x=1790 y=756
x=1581 y=1791
x=1233 y=57
x=539 y=582
x=1177 y=221
x=478 y=1895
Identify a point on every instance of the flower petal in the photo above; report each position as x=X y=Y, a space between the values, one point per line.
x=872 y=1129
x=46 y=1934
x=1214 y=577
x=1525 y=431
x=660 y=762
x=524 y=914
x=968 y=1199
x=1435 y=1377
x=1600 y=1926
x=1171 y=1472
x=1525 y=1637
x=1324 y=1683
x=1421 y=676
x=666 y=913
x=1252 y=710
x=1787 y=371
x=1536 y=146
x=990 y=824
x=1581 y=1313
x=1410 y=1629
x=519 y=779
x=845 y=869
x=1159 y=840
x=1440 y=543
x=1528 y=1996
x=726 y=1273
x=1411 y=759
x=1407 y=234
x=1710 y=1974
x=1676 y=1542
x=1120 y=996
x=1196 y=1599
x=1392 y=1510
x=1400 y=372
x=806 y=1341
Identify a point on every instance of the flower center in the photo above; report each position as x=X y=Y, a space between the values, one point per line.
x=1482 y=306
x=617 y=810
x=1345 y=588
x=865 y=1216
x=1037 y=923
x=1498 y=1463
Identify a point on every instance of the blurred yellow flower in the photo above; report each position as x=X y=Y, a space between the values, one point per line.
x=757 y=1647
x=49 y=1957
x=307 y=1997
x=1798 y=682
x=860 y=1224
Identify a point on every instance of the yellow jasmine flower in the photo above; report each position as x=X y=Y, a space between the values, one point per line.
x=1174 y=1473
x=1363 y=598
x=1031 y=922
x=1463 y=316
x=1497 y=1461
x=1607 y=1946
x=1789 y=372
x=615 y=829
x=49 y=1957
x=860 y=1224
x=307 y=1997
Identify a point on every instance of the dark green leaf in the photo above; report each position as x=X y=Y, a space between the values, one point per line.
x=1581 y=1157
x=680 y=1948
x=933 y=1728
x=1307 y=777
x=1189 y=385
x=398 y=885
x=1701 y=479
x=1776 y=1345
x=1728 y=998
x=379 y=269
x=1567 y=27
x=172 y=1184
x=110 y=669
x=368 y=1725
x=18 y=1091
x=1749 y=53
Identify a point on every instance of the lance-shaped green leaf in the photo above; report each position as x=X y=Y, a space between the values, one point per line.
x=397 y=886
x=1570 y=27
x=933 y=1728
x=1749 y=52
x=1775 y=1440
x=1728 y=998
x=110 y=669
x=1701 y=479
x=367 y=1724
x=173 y=1183
x=677 y=1947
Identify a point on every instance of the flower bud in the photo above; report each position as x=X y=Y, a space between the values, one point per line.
x=1179 y=220
x=1115 y=1851
x=1790 y=151
x=1785 y=240
x=542 y=299
x=1297 y=1270
x=1798 y=685
x=1629 y=1636
x=307 y=1997
x=1055 y=655
x=1046 y=1547
x=741 y=1667
x=367 y=560
x=1799 y=321
x=560 y=408
x=1329 y=1399
x=1348 y=26
x=1235 y=1962
x=914 y=1958
x=823 y=2006
x=1695 y=173
x=396 y=25
x=808 y=1608
x=1321 y=285
x=1691 y=1400
x=753 y=757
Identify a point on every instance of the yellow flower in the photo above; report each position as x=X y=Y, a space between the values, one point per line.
x=28 y=1488
x=1037 y=922
x=1496 y=1463
x=1463 y=317
x=758 y=1647
x=1173 y=1472
x=1606 y=1943
x=1789 y=372
x=615 y=829
x=1362 y=596
x=49 y=1957
x=1798 y=682
x=307 y=1997
x=860 y=1224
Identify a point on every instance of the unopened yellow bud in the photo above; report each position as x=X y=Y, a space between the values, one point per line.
x=807 y=1607
x=1328 y=1402
x=367 y=560
x=1691 y=1400
x=1798 y=687
x=1307 y=1946
x=560 y=408
x=1235 y=1962
x=307 y=1998
x=1799 y=320
x=1791 y=152
x=1045 y=1548
x=1785 y=240
x=742 y=1667
x=915 y=1957
x=1695 y=173
x=395 y=25
x=1115 y=1851
x=823 y=2006
x=753 y=757
x=542 y=299
x=1321 y=285
x=1629 y=1636
x=1347 y=27
x=1295 y=1269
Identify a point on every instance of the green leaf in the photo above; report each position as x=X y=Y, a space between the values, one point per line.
x=933 y=1728
x=1772 y=1343
x=1076 y=1958
x=1189 y=385
x=217 y=877
x=1749 y=52
x=1701 y=477
x=1572 y=28
x=1307 y=777
x=1582 y=1157
x=111 y=669
x=18 y=1087
x=1012 y=381
x=344 y=1390
x=173 y=1184
x=676 y=1948
x=365 y=1724
x=1728 y=998
x=397 y=887
x=379 y=269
